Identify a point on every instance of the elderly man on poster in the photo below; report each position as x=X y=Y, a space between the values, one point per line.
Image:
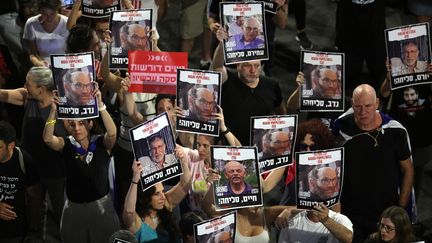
x=323 y=183
x=78 y=88
x=133 y=37
x=235 y=172
x=202 y=104
x=249 y=38
x=158 y=158
x=275 y=143
x=409 y=63
x=326 y=83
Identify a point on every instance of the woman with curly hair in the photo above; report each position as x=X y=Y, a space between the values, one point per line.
x=148 y=214
x=394 y=226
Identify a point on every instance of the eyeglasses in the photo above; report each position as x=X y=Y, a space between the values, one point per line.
x=279 y=142
x=203 y=102
x=81 y=86
x=327 y=181
x=327 y=80
x=305 y=147
x=387 y=228
x=137 y=38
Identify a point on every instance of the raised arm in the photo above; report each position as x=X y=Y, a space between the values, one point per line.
x=179 y=191
x=385 y=86
x=110 y=135
x=112 y=81
x=407 y=181
x=33 y=52
x=130 y=218
x=229 y=136
x=218 y=56
x=281 y=17
x=339 y=231
x=272 y=179
x=13 y=96
x=74 y=15
x=293 y=100
x=129 y=103
x=54 y=142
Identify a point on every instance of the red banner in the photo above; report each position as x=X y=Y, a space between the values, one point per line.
x=155 y=72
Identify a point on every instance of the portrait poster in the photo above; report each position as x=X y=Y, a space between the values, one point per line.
x=218 y=229
x=74 y=76
x=239 y=185
x=250 y=42
x=153 y=146
x=319 y=177
x=274 y=137
x=155 y=72
x=99 y=8
x=409 y=52
x=130 y=30
x=198 y=95
x=324 y=86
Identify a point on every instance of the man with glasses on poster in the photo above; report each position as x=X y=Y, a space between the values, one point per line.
x=78 y=88
x=325 y=83
x=202 y=104
x=133 y=37
x=158 y=158
x=323 y=183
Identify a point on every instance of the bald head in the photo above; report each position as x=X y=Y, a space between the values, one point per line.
x=364 y=89
x=365 y=103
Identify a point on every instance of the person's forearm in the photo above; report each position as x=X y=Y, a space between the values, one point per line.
x=74 y=15
x=407 y=184
x=281 y=16
x=36 y=60
x=129 y=213
x=110 y=127
x=385 y=88
x=218 y=59
x=293 y=101
x=131 y=108
x=272 y=179
x=48 y=132
x=340 y=232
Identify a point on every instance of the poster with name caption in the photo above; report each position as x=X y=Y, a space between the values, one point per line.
x=219 y=229
x=73 y=76
x=155 y=72
x=153 y=146
x=99 y=8
x=198 y=95
x=324 y=86
x=409 y=52
x=239 y=185
x=131 y=30
x=274 y=137
x=319 y=177
x=249 y=43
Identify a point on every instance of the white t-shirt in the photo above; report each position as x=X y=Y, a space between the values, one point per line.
x=47 y=43
x=301 y=229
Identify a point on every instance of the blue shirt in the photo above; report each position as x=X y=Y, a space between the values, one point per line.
x=240 y=43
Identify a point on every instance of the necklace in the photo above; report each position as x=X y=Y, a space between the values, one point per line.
x=375 y=138
x=155 y=219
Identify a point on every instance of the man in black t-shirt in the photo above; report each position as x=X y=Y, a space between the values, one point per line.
x=378 y=170
x=18 y=184
x=245 y=94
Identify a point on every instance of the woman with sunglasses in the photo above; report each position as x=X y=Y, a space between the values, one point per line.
x=394 y=226
x=88 y=214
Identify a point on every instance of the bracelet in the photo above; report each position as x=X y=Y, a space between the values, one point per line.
x=225 y=132
x=133 y=182
x=103 y=108
x=50 y=122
